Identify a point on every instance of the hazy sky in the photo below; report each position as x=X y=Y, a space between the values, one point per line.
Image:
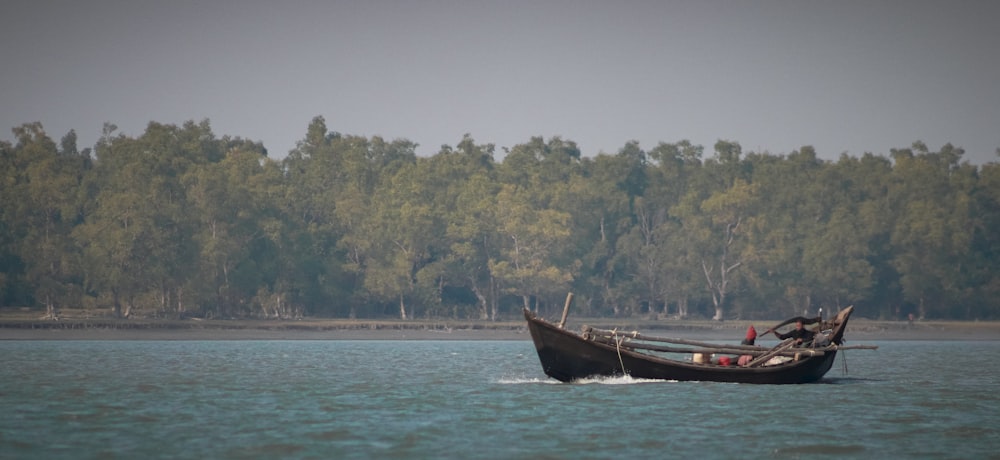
x=843 y=76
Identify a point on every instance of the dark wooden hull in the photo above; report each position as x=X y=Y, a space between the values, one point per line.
x=567 y=356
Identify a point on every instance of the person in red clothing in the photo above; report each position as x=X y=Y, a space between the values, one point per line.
x=749 y=340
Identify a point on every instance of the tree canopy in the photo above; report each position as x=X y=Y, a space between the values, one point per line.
x=179 y=222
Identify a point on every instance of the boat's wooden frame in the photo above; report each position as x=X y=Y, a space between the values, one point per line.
x=569 y=356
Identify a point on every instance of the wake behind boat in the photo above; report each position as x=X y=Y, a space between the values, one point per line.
x=569 y=356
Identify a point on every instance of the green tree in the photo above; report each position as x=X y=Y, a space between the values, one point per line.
x=475 y=242
x=237 y=231
x=524 y=265
x=137 y=236
x=116 y=221
x=465 y=203
x=402 y=229
x=712 y=215
x=932 y=232
x=600 y=214
x=40 y=210
x=676 y=169
x=984 y=261
x=792 y=212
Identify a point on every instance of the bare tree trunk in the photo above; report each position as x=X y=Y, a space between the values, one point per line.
x=494 y=298
x=720 y=288
x=116 y=303
x=717 y=288
x=164 y=296
x=484 y=309
x=50 y=308
x=402 y=308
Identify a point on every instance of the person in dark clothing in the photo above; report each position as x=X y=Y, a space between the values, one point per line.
x=800 y=334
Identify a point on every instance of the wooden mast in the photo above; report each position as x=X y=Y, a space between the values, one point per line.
x=569 y=300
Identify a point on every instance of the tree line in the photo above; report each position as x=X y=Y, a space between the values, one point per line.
x=178 y=222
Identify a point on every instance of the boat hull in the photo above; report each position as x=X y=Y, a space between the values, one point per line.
x=567 y=356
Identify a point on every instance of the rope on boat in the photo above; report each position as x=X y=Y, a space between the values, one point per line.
x=618 y=347
x=843 y=360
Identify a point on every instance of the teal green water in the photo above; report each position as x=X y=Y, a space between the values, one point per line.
x=446 y=399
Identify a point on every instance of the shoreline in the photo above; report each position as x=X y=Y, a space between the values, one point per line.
x=7 y=334
x=106 y=329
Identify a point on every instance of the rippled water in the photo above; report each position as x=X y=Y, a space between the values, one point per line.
x=447 y=399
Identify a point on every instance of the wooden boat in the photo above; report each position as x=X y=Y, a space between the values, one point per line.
x=569 y=356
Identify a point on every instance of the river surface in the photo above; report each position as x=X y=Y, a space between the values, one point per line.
x=475 y=399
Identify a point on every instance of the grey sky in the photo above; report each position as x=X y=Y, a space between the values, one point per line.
x=843 y=76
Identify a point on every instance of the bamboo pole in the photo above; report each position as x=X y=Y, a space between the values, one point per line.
x=783 y=346
x=855 y=347
x=569 y=300
x=647 y=338
x=755 y=351
x=632 y=337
